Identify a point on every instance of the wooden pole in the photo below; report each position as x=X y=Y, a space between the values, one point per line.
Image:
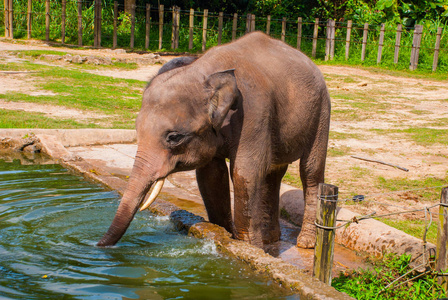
x=234 y=26
x=28 y=23
x=436 y=49
x=325 y=216
x=100 y=20
x=442 y=239
x=315 y=33
x=95 y=24
x=332 y=38
x=397 y=43
x=347 y=39
x=220 y=21
x=161 y=8
x=132 y=26
x=248 y=17
x=415 y=47
x=79 y=22
x=191 y=29
x=327 y=40
x=380 y=43
x=283 y=29
x=114 y=35
x=11 y=19
x=364 y=41
x=148 y=24
x=252 y=23
x=204 y=30
x=173 y=27
x=176 y=41
x=299 y=32
x=268 y=25
x=6 y=5
x=47 y=20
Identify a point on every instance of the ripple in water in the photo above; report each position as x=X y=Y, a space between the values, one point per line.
x=50 y=221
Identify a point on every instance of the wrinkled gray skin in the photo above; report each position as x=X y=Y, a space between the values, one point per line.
x=257 y=102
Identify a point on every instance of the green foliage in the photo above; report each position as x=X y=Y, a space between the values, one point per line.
x=369 y=284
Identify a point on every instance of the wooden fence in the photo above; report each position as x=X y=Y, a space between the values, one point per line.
x=194 y=31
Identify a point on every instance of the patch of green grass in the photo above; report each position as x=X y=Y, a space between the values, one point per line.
x=421 y=136
x=424 y=192
x=37 y=53
x=339 y=151
x=369 y=284
x=415 y=228
x=439 y=122
x=292 y=179
x=20 y=119
x=335 y=135
x=420 y=112
x=346 y=115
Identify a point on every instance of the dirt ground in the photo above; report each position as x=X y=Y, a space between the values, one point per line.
x=398 y=120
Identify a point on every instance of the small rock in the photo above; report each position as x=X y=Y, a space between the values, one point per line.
x=77 y=59
x=67 y=58
x=363 y=84
x=51 y=57
x=119 y=51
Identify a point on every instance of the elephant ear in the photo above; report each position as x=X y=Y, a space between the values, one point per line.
x=224 y=93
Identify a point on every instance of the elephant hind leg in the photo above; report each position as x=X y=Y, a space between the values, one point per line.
x=312 y=171
x=213 y=182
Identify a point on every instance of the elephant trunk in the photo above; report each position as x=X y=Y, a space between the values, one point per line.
x=134 y=195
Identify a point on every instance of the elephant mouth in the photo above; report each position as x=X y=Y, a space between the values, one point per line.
x=154 y=193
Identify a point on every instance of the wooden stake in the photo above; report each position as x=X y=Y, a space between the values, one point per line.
x=148 y=25
x=177 y=27
x=204 y=30
x=347 y=39
x=283 y=29
x=6 y=5
x=114 y=34
x=80 y=23
x=436 y=49
x=252 y=23
x=47 y=20
x=380 y=43
x=442 y=239
x=364 y=41
x=191 y=29
x=315 y=33
x=11 y=19
x=327 y=40
x=268 y=25
x=397 y=43
x=160 y=25
x=325 y=216
x=299 y=32
x=28 y=23
x=332 y=38
x=173 y=30
x=234 y=26
x=220 y=20
x=416 y=47
x=132 y=26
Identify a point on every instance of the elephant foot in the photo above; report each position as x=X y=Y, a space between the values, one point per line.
x=307 y=237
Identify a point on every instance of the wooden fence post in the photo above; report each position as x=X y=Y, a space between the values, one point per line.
x=332 y=38
x=114 y=34
x=436 y=49
x=11 y=19
x=248 y=17
x=315 y=34
x=442 y=239
x=325 y=216
x=204 y=30
x=191 y=29
x=47 y=20
x=79 y=22
x=132 y=26
x=220 y=20
x=234 y=26
x=6 y=5
x=283 y=29
x=173 y=29
x=415 y=47
x=299 y=32
x=95 y=24
x=252 y=23
x=327 y=40
x=364 y=41
x=28 y=23
x=347 y=39
x=148 y=24
x=161 y=7
x=397 y=43
x=176 y=41
x=268 y=25
x=380 y=44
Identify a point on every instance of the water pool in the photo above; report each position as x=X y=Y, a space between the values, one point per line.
x=50 y=221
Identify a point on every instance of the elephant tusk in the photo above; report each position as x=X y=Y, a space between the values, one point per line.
x=155 y=192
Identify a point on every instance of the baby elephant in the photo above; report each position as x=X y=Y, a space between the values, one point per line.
x=257 y=102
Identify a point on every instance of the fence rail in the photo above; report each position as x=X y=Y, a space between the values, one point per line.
x=155 y=28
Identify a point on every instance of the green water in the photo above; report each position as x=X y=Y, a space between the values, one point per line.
x=50 y=221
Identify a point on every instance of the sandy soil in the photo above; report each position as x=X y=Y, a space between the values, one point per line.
x=369 y=110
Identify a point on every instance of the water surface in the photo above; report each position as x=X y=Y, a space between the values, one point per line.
x=50 y=221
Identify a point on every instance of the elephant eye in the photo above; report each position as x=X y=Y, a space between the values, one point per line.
x=174 y=138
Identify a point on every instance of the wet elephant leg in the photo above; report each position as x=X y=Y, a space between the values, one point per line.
x=257 y=206
x=213 y=182
x=312 y=171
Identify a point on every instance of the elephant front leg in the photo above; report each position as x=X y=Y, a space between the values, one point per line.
x=257 y=206
x=213 y=182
